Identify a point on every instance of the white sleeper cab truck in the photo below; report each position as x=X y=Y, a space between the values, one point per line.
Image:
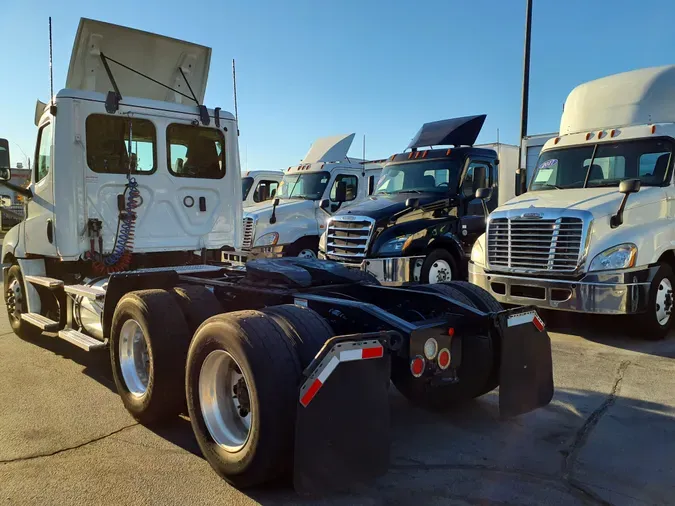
x=325 y=181
x=259 y=186
x=596 y=231
x=284 y=366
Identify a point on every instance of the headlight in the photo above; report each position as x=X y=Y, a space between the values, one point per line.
x=622 y=256
x=267 y=239
x=477 y=252
x=394 y=245
x=322 y=241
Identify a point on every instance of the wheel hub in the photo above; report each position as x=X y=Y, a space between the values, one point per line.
x=306 y=253
x=664 y=301
x=440 y=272
x=134 y=358
x=224 y=398
x=14 y=299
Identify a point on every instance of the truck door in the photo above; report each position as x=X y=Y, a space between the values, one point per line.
x=478 y=174
x=352 y=183
x=39 y=224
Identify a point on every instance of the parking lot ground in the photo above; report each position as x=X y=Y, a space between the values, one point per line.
x=607 y=438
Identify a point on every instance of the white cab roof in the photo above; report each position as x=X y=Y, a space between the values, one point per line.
x=638 y=97
x=154 y=55
x=276 y=174
x=329 y=149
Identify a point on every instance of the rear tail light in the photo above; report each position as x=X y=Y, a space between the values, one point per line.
x=444 y=358
x=417 y=366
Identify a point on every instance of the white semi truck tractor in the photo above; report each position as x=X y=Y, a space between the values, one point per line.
x=595 y=232
x=284 y=366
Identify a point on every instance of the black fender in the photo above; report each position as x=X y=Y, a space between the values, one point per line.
x=451 y=243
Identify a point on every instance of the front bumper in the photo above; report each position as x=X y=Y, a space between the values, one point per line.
x=607 y=292
x=393 y=271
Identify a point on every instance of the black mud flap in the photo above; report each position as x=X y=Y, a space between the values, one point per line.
x=342 y=425
x=526 y=374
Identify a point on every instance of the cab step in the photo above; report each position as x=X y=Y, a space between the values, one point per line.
x=87 y=343
x=51 y=283
x=42 y=322
x=86 y=291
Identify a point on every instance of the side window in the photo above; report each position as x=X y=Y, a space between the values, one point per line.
x=652 y=167
x=265 y=190
x=108 y=145
x=477 y=176
x=352 y=183
x=194 y=151
x=43 y=162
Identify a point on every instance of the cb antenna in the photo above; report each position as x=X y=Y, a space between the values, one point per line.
x=51 y=71
x=363 y=166
x=234 y=85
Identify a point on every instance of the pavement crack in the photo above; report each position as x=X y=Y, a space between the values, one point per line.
x=584 y=432
x=69 y=448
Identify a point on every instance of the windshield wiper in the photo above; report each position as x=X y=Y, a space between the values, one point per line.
x=409 y=191
x=549 y=185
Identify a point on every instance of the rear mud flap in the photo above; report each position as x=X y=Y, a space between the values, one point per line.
x=342 y=425
x=526 y=374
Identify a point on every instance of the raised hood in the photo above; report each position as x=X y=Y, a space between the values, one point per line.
x=329 y=149
x=154 y=55
x=598 y=201
x=449 y=132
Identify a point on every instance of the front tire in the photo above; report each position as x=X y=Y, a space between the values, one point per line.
x=17 y=304
x=250 y=343
x=658 y=320
x=439 y=267
x=149 y=340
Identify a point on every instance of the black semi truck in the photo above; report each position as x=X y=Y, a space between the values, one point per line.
x=424 y=215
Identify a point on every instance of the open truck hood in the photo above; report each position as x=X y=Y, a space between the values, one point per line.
x=154 y=55
x=598 y=201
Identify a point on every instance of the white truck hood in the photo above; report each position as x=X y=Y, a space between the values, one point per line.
x=295 y=217
x=598 y=201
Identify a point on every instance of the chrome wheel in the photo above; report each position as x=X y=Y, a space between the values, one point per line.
x=15 y=299
x=439 y=272
x=664 y=301
x=134 y=358
x=225 y=401
x=307 y=253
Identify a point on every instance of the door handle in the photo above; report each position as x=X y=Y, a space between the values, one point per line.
x=202 y=204
x=50 y=231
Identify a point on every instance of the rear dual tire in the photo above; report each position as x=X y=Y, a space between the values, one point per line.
x=270 y=348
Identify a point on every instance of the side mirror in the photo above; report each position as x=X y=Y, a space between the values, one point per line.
x=628 y=186
x=341 y=191
x=324 y=204
x=5 y=174
x=483 y=193
x=412 y=203
x=275 y=202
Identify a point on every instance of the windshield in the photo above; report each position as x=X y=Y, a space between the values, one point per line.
x=604 y=164
x=303 y=186
x=246 y=184
x=417 y=177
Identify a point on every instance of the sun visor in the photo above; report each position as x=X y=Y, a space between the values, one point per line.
x=154 y=55
x=329 y=149
x=449 y=132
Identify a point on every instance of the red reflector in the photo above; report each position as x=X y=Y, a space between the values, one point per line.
x=417 y=366
x=376 y=352
x=539 y=323
x=444 y=359
x=451 y=332
x=311 y=392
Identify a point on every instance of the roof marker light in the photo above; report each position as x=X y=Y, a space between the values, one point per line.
x=653 y=128
x=600 y=134
x=588 y=135
x=411 y=155
x=556 y=140
x=424 y=155
x=612 y=133
x=392 y=157
x=447 y=153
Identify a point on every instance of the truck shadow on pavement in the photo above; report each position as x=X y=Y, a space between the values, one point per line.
x=616 y=331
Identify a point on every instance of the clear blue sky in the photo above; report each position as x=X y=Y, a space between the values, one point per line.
x=309 y=68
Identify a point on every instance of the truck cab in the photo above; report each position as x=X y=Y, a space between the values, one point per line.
x=595 y=232
x=325 y=182
x=259 y=186
x=421 y=221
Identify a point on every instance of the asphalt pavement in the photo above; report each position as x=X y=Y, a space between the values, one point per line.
x=607 y=438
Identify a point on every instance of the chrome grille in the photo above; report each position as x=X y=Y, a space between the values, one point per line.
x=535 y=244
x=347 y=239
x=249 y=229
